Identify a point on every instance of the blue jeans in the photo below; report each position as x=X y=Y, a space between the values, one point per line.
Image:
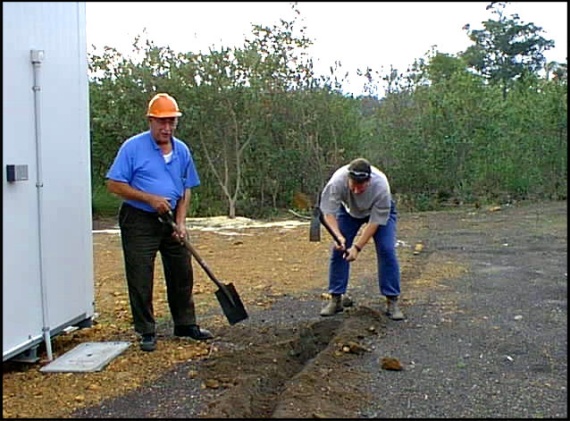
x=385 y=242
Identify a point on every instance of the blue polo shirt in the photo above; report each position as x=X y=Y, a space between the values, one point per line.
x=140 y=164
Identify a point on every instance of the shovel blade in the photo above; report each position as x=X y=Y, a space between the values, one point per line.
x=315 y=227
x=231 y=303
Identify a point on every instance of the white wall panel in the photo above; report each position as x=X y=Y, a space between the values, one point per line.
x=64 y=259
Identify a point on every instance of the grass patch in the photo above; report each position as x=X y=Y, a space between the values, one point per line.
x=103 y=203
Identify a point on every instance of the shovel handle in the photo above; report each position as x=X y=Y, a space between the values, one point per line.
x=328 y=227
x=168 y=218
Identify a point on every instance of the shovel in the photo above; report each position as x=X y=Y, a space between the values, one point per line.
x=227 y=294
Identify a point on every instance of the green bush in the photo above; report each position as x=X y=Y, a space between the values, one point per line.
x=104 y=204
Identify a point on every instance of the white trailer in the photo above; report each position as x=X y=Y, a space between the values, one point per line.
x=47 y=278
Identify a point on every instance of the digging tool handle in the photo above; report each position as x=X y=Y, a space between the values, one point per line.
x=227 y=295
x=169 y=219
x=329 y=229
x=202 y=263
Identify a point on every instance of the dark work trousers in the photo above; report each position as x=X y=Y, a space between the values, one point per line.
x=142 y=236
x=387 y=261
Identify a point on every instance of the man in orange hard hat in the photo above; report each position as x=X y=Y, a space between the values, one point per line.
x=154 y=173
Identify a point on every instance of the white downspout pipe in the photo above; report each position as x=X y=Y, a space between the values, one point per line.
x=37 y=57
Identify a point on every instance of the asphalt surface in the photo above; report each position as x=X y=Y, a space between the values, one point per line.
x=493 y=343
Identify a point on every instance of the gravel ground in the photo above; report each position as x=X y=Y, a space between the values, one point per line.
x=491 y=343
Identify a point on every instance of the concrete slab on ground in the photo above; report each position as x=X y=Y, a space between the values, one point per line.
x=86 y=357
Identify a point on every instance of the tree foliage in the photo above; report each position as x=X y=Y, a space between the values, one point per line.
x=506 y=48
x=264 y=128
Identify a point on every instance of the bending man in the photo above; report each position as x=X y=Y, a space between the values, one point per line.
x=359 y=194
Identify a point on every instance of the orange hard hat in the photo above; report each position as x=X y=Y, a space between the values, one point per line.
x=163 y=106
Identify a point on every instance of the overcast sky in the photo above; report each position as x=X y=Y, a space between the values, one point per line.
x=358 y=34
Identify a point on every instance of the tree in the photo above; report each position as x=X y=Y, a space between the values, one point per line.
x=506 y=49
x=559 y=71
x=242 y=83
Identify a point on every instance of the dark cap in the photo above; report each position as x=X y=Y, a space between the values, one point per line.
x=359 y=170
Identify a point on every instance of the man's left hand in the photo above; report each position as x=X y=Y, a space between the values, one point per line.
x=180 y=232
x=351 y=254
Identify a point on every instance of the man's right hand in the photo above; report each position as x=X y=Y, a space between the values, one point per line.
x=342 y=245
x=159 y=203
x=124 y=190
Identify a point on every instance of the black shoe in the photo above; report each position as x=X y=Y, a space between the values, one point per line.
x=192 y=331
x=148 y=342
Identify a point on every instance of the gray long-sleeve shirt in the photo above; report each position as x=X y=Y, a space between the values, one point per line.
x=374 y=201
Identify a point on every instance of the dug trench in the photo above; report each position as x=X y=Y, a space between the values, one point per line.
x=284 y=361
x=288 y=362
x=259 y=369
x=305 y=371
